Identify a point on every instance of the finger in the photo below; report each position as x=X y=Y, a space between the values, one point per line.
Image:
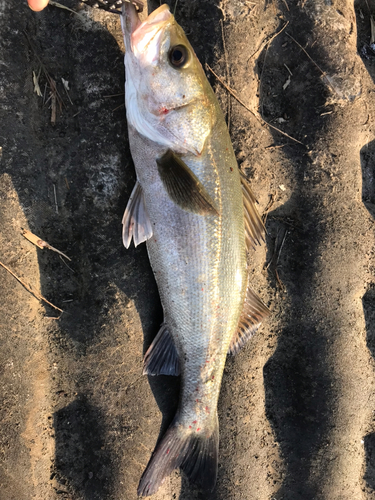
x=37 y=5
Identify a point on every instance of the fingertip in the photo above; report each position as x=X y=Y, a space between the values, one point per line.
x=37 y=5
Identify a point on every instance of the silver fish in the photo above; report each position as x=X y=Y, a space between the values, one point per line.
x=198 y=217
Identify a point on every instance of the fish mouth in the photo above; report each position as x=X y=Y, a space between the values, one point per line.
x=144 y=37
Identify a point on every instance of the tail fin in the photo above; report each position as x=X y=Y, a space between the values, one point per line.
x=195 y=452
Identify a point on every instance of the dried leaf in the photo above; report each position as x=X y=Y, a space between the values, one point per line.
x=36 y=84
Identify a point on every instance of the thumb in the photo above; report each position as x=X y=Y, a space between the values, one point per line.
x=37 y=5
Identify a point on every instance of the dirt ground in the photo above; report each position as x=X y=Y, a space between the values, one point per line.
x=78 y=421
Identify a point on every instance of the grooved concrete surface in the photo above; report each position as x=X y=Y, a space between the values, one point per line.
x=77 y=419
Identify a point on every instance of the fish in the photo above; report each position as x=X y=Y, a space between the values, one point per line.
x=198 y=217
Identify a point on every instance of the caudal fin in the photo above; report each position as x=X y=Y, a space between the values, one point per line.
x=195 y=452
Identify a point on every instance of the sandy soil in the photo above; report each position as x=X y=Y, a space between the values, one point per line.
x=78 y=421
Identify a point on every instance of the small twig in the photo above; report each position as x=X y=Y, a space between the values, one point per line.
x=63 y=261
x=281 y=247
x=54 y=193
x=113 y=95
x=36 y=294
x=54 y=94
x=267 y=42
x=175 y=7
x=118 y=107
x=33 y=238
x=286 y=5
x=260 y=120
x=291 y=74
x=272 y=146
x=281 y=284
x=53 y=101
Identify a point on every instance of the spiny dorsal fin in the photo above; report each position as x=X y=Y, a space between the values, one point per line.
x=254 y=227
x=161 y=357
x=183 y=186
x=254 y=311
x=136 y=223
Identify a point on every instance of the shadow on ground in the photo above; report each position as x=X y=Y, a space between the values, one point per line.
x=80 y=433
x=367 y=157
x=297 y=376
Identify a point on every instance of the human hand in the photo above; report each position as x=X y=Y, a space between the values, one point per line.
x=37 y=5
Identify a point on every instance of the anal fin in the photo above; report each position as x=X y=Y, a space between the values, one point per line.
x=253 y=313
x=254 y=227
x=161 y=357
x=135 y=222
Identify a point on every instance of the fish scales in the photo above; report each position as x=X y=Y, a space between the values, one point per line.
x=187 y=206
x=199 y=264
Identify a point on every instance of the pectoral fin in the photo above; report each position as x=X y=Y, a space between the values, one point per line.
x=183 y=186
x=136 y=223
x=254 y=311
x=254 y=227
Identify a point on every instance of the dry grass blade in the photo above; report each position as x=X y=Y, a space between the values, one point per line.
x=327 y=80
x=54 y=94
x=260 y=120
x=53 y=100
x=36 y=294
x=36 y=84
x=276 y=257
x=372 y=22
x=61 y=6
x=281 y=284
x=266 y=42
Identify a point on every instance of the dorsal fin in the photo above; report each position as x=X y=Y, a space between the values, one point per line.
x=254 y=227
x=253 y=312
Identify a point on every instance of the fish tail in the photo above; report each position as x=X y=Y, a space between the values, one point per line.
x=195 y=451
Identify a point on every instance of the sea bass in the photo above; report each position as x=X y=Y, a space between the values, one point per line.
x=198 y=218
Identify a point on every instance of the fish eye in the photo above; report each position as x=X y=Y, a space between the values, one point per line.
x=178 y=56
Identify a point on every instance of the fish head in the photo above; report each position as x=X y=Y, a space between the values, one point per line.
x=168 y=98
